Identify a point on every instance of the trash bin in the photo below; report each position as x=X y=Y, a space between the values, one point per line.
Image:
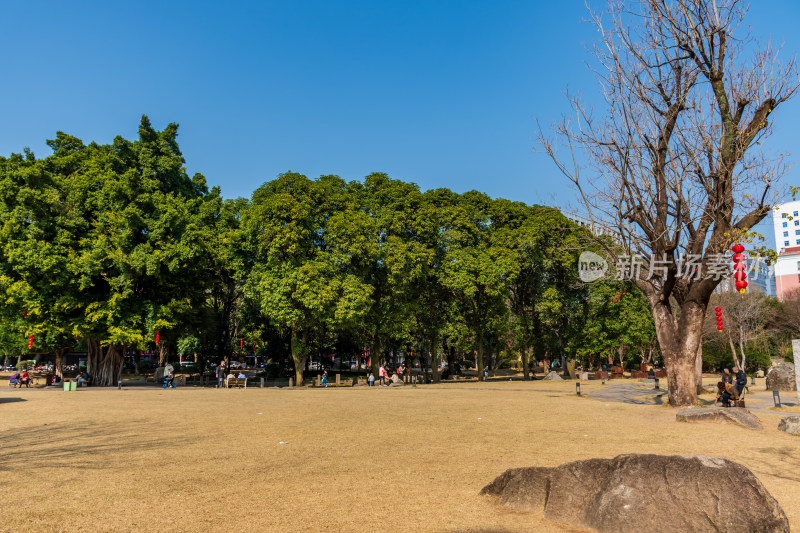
x=73 y=385
x=66 y=386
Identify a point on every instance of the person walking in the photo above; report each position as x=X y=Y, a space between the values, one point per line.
x=382 y=376
x=325 y=379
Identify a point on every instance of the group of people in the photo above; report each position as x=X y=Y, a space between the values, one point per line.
x=222 y=377
x=731 y=387
x=18 y=379
x=384 y=377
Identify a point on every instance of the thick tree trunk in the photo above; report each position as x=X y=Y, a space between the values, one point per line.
x=59 y=364
x=19 y=360
x=679 y=349
x=298 y=358
x=104 y=366
x=136 y=358
x=375 y=356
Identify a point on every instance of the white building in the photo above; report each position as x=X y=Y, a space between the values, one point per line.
x=786 y=221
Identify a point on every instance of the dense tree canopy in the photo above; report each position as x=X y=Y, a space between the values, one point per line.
x=105 y=247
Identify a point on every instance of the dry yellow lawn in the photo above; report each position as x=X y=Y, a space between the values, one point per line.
x=354 y=459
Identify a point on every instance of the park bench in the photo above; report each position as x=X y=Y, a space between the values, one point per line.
x=236 y=382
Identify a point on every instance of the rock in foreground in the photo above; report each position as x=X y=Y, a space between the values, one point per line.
x=634 y=493
x=790 y=424
x=782 y=378
x=725 y=415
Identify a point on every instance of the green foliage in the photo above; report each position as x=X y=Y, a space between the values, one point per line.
x=26 y=365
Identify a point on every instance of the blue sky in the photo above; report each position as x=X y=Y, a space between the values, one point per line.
x=444 y=94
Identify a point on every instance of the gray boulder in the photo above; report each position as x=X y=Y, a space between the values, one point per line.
x=724 y=415
x=634 y=493
x=553 y=376
x=782 y=378
x=790 y=424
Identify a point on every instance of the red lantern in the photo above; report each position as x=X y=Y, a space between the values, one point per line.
x=254 y=348
x=158 y=337
x=741 y=285
x=720 y=328
x=241 y=343
x=737 y=248
x=740 y=275
x=740 y=266
x=24 y=314
x=718 y=309
x=30 y=342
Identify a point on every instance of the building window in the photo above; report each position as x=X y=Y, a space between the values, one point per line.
x=785 y=224
x=785 y=233
x=786 y=243
x=797 y=222
x=784 y=215
x=795 y=214
x=798 y=241
x=797 y=232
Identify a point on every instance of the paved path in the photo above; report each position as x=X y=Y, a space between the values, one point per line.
x=629 y=393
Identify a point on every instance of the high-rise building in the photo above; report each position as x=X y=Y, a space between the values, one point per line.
x=786 y=221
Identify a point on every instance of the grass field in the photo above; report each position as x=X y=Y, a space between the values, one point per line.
x=337 y=459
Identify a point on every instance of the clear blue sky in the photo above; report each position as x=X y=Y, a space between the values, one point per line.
x=444 y=94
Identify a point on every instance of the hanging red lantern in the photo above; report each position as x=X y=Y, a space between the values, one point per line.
x=241 y=343
x=720 y=328
x=254 y=348
x=30 y=342
x=24 y=314
x=718 y=311
x=739 y=267
x=158 y=337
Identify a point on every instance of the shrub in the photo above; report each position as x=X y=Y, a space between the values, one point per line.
x=756 y=360
x=26 y=365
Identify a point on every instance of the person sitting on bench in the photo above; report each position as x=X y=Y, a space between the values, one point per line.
x=726 y=391
x=83 y=377
x=14 y=381
x=25 y=379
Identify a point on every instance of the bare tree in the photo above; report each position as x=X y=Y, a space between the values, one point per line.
x=674 y=163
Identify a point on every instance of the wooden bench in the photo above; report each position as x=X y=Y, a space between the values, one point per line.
x=236 y=382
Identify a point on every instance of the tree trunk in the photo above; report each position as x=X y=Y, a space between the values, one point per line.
x=795 y=351
x=526 y=365
x=19 y=360
x=104 y=366
x=679 y=349
x=434 y=351
x=698 y=365
x=163 y=353
x=298 y=358
x=733 y=350
x=479 y=362
x=375 y=356
x=59 y=364
x=136 y=358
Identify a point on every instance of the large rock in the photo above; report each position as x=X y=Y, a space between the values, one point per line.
x=782 y=378
x=395 y=381
x=644 y=493
x=790 y=424
x=724 y=415
x=554 y=376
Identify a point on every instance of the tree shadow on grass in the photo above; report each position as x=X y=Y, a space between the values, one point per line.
x=12 y=400
x=787 y=465
x=86 y=445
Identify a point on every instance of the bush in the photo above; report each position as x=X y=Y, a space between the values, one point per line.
x=756 y=360
x=26 y=365
x=789 y=356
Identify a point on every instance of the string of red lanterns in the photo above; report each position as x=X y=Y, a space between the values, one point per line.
x=158 y=337
x=718 y=310
x=739 y=268
x=30 y=342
